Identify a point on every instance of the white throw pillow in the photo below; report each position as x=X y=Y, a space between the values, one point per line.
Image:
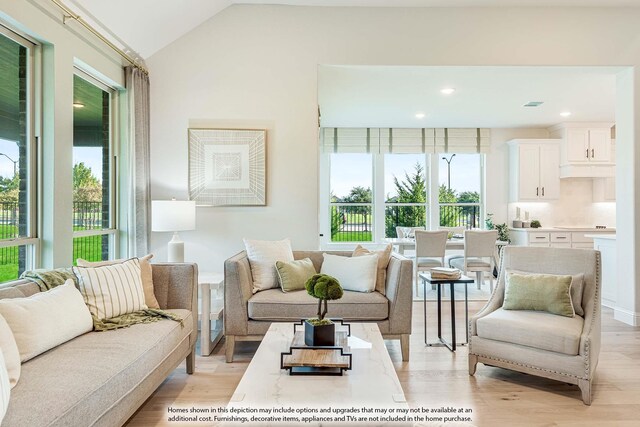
x=146 y=274
x=9 y=352
x=262 y=256
x=46 y=319
x=5 y=388
x=112 y=290
x=354 y=273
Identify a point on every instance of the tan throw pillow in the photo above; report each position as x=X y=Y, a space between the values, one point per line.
x=538 y=292
x=577 y=284
x=9 y=352
x=292 y=275
x=146 y=275
x=263 y=255
x=384 y=256
x=47 y=319
x=111 y=290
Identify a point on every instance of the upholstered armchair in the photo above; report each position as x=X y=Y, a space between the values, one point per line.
x=539 y=343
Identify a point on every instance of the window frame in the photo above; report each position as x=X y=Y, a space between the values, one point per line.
x=112 y=230
x=379 y=205
x=31 y=241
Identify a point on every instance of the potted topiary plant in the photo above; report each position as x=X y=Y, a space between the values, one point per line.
x=535 y=224
x=321 y=331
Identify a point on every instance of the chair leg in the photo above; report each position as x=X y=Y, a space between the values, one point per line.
x=230 y=344
x=479 y=279
x=585 y=388
x=404 y=346
x=473 y=362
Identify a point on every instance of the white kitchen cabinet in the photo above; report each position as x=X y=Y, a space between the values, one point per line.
x=555 y=237
x=534 y=170
x=585 y=149
x=604 y=189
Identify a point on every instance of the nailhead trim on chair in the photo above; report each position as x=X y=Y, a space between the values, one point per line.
x=529 y=366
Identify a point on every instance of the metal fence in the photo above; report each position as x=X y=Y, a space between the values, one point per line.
x=86 y=216
x=354 y=222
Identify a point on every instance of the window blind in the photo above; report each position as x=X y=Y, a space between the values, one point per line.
x=405 y=140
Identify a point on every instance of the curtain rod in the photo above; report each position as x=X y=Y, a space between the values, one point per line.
x=70 y=14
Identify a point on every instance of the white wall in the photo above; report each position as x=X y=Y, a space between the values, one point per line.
x=254 y=64
x=63 y=46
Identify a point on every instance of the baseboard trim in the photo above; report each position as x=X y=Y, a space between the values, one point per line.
x=626 y=316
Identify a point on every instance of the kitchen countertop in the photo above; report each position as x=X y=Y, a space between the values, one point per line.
x=567 y=229
x=601 y=236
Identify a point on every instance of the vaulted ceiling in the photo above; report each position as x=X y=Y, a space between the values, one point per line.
x=149 y=25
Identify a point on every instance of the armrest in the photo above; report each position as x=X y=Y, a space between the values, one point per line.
x=494 y=303
x=399 y=292
x=176 y=286
x=238 y=285
x=591 y=332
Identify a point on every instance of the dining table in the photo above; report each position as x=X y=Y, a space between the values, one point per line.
x=454 y=243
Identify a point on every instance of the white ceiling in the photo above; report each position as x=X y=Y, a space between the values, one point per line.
x=149 y=25
x=383 y=96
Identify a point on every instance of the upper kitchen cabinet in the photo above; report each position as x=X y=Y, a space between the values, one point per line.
x=585 y=149
x=534 y=166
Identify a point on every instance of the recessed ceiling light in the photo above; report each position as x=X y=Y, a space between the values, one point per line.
x=447 y=90
x=78 y=105
x=420 y=115
x=533 y=104
x=565 y=113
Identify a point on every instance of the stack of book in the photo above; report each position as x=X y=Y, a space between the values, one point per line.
x=444 y=273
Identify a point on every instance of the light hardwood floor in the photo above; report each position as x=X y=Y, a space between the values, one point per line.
x=434 y=377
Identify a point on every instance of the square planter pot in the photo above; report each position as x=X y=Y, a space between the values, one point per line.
x=319 y=335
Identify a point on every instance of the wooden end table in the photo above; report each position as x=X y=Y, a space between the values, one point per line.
x=426 y=278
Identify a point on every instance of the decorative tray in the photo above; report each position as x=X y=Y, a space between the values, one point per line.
x=302 y=359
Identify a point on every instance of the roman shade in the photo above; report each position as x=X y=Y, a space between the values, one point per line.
x=405 y=140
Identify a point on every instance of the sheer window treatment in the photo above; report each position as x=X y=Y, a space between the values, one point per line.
x=139 y=209
x=405 y=140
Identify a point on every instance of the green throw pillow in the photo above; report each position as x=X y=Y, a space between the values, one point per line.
x=539 y=292
x=292 y=275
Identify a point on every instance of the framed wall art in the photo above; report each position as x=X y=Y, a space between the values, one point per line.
x=227 y=167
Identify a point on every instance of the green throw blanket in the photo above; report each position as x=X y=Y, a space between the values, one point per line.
x=49 y=279
x=125 y=320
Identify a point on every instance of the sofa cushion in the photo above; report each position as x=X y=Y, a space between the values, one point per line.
x=577 y=284
x=293 y=275
x=354 y=273
x=275 y=305
x=101 y=368
x=47 y=319
x=533 y=329
x=146 y=275
x=9 y=351
x=539 y=292
x=112 y=290
x=384 y=256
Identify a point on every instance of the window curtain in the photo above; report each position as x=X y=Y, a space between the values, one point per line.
x=139 y=209
x=405 y=140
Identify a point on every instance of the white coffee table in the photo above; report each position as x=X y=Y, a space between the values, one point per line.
x=371 y=382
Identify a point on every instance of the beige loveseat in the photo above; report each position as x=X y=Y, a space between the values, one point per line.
x=247 y=316
x=102 y=378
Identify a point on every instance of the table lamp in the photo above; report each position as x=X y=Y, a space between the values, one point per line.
x=173 y=215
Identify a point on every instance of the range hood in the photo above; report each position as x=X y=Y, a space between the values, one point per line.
x=606 y=170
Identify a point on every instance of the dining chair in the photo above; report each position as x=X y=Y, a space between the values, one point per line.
x=401 y=233
x=479 y=248
x=430 y=250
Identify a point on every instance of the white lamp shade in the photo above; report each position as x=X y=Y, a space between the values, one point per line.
x=173 y=215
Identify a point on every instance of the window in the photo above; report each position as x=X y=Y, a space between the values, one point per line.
x=374 y=180
x=17 y=214
x=459 y=190
x=93 y=206
x=405 y=191
x=351 y=198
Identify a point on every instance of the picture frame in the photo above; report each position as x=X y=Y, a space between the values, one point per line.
x=227 y=167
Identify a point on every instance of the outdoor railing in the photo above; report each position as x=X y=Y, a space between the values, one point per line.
x=352 y=222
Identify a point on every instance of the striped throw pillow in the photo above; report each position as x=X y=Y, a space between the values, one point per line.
x=112 y=290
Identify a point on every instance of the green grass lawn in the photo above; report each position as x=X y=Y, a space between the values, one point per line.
x=352 y=236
